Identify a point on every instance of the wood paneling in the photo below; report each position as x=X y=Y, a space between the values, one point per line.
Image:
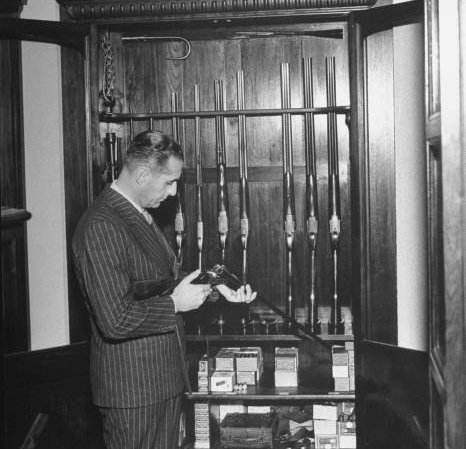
x=392 y=398
x=54 y=382
x=381 y=312
x=11 y=150
x=146 y=77
x=76 y=175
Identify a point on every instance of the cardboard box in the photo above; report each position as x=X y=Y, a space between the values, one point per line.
x=246 y=377
x=326 y=411
x=327 y=442
x=339 y=355
x=346 y=427
x=204 y=364
x=249 y=359
x=286 y=378
x=222 y=381
x=325 y=427
x=340 y=371
x=286 y=359
x=242 y=430
x=347 y=441
x=225 y=359
x=342 y=383
x=231 y=408
x=203 y=382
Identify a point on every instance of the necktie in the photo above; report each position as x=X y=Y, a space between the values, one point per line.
x=147 y=216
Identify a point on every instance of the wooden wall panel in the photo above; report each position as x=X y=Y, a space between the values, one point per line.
x=381 y=311
x=76 y=176
x=147 y=79
x=11 y=149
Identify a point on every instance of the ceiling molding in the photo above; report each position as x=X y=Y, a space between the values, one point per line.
x=144 y=10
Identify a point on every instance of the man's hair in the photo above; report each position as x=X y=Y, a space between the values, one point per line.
x=152 y=149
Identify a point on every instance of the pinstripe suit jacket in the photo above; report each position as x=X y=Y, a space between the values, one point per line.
x=135 y=358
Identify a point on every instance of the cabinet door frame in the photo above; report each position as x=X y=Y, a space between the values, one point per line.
x=391 y=382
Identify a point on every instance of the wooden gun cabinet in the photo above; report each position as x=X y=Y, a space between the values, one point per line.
x=133 y=48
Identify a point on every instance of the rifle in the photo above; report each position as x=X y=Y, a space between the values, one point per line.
x=111 y=171
x=311 y=190
x=197 y=148
x=288 y=187
x=243 y=174
x=179 y=216
x=222 y=193
x=334 y=191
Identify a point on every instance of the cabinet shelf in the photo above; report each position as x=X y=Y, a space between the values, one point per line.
x=281 y=394
x=263 y=338
x=316 y=383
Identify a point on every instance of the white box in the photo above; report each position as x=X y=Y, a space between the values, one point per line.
x=221 y=381
x=324 y=411
x=249 y=359
x=327 y=442
x=340 y=371
x=339 y=355
x=286 y=359
x=325 y=427
x=342 y=384
x=286 y=378
x=225 y=359
x=258 y=409
x=246 y=377
x=231 y=408
x=347 y=441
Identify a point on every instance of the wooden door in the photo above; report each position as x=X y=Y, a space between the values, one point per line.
x=446 y=149
x=391 y=381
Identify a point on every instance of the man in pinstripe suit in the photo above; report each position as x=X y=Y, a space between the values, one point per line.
x=119 y=252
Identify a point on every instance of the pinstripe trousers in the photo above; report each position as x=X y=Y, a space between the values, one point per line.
x=151 y=427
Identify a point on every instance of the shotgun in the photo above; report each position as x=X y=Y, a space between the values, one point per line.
x=197 y=149
x=222 y=193
x=112 y=165
x=288 y=188
x=333 y=191
x=179 y=216
x=243 y=175
x=311 y=191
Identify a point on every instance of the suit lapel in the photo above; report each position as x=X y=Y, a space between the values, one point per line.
x=150 y=237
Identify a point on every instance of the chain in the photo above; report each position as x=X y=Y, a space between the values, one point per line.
x=108 y=88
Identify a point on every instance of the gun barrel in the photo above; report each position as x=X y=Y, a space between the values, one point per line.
x=197 y=147
x=311 y=191
x=243 y=174
x=334 y=190
x=222 y=194
x=179 y=216
x=288 y=196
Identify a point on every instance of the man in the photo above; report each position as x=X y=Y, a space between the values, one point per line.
x=135 y=366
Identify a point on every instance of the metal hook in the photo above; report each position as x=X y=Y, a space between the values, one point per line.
x=162 y=38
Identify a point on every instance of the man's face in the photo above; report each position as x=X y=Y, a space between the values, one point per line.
x=159 y=185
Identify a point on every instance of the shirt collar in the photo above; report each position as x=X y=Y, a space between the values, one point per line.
x=115 y=187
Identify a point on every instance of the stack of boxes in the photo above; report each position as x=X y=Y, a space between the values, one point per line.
x=286 y=367
x=236 y=366
x=201 y=409
x=343 y=367
x=334 y=426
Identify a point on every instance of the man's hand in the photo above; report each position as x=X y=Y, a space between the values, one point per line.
x=242 y=295
x=187 y=296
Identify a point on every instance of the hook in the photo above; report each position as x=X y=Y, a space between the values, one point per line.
x=162 y=38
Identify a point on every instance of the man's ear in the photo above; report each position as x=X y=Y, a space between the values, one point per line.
x=141 y=175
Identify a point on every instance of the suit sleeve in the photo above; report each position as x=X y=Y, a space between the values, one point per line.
x=108 y=286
